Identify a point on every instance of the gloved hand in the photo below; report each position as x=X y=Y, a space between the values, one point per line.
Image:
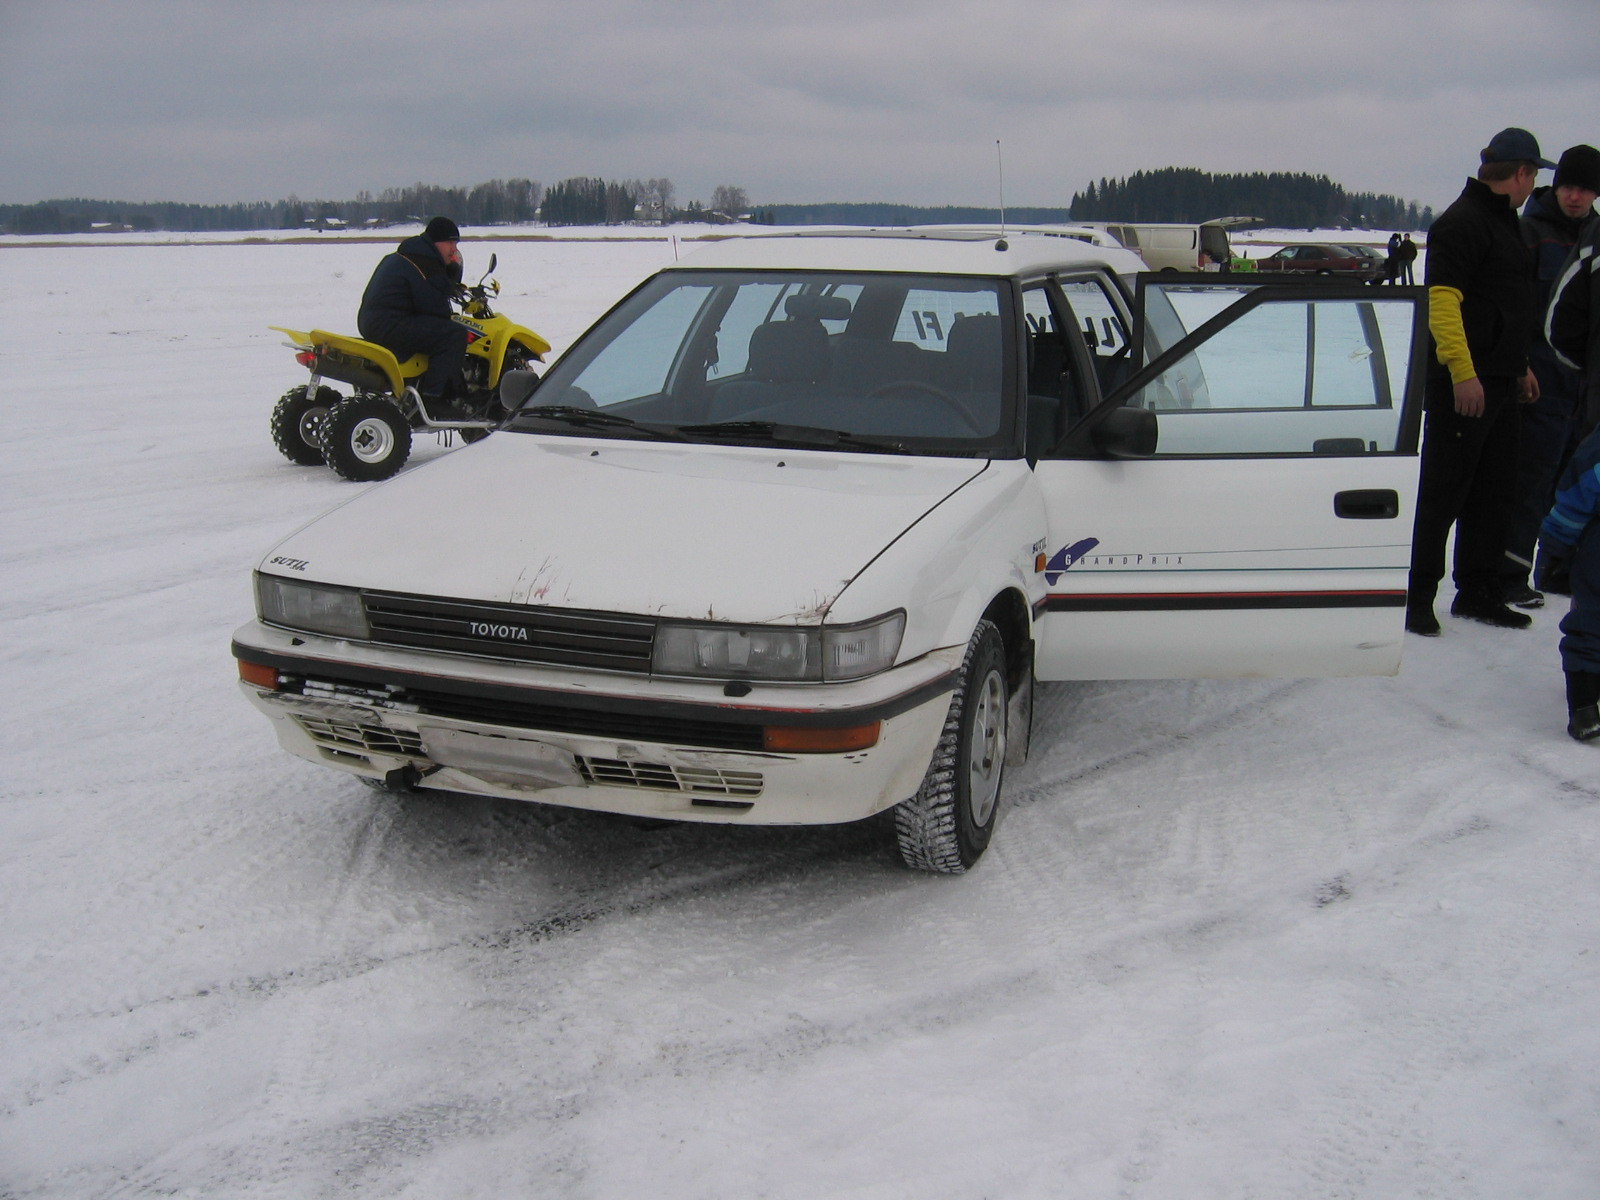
x=1556 y=573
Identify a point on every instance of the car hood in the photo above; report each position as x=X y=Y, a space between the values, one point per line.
x=697 y=532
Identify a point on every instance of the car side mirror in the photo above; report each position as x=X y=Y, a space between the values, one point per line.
x=1126 y=433
x=516 y=387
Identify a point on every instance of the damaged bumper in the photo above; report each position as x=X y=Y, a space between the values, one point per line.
x=798 y=755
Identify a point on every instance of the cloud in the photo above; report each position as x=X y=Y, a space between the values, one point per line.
x=871 y=99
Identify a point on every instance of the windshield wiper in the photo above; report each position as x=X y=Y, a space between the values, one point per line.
x=776 y=433
x=572 y=414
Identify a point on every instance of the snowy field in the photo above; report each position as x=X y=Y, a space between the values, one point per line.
x=1263 y=940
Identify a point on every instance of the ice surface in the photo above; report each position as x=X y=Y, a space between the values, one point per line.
x=1239 y=939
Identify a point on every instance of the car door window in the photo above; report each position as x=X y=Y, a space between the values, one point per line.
x=1057 y=398
x=1284 y=372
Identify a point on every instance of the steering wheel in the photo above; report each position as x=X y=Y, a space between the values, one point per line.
x=928 y=389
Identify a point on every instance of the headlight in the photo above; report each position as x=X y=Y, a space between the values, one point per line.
x=781 y=654
x=337 y=612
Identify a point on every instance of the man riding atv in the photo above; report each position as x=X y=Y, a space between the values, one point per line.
x=406 y=309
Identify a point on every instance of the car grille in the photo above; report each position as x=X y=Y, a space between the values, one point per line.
x=708 y=785
x=358 y=740
x=662 y=777
x=553 y=636
x=532 y=714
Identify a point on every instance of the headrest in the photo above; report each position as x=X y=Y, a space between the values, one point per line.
x=789 y=352
x=817 y=308
x=974 y=348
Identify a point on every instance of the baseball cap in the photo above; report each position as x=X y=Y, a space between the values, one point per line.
x=1514 y=145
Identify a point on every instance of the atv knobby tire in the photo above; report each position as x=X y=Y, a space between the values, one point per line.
x=946 y=826
x=365 y=438
x=297 y=424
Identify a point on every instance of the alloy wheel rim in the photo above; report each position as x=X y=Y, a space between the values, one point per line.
x=987 y=748
x=372 y=440
x=311 y=426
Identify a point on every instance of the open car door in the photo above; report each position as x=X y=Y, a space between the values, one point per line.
x=1242 y=504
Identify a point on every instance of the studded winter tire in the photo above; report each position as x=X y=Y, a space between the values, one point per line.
x=365 y=438
x=297 y=424
x=946 y=826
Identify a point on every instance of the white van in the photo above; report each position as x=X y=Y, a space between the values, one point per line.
x=1175 y=247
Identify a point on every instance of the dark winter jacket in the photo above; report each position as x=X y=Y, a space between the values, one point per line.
x=1475 y=246
x=1572 y=322
x=1577 y=496
x=1573 y=530
x=414 y=281
x=1550 y=234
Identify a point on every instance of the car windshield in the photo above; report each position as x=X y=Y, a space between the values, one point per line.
x=860 y=361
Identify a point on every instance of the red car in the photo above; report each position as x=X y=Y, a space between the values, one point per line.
x=1322 y=258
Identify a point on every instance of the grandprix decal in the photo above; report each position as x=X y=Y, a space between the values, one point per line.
x=1065 y=557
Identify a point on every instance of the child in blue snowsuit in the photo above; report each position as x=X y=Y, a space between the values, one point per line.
x=1571 y=534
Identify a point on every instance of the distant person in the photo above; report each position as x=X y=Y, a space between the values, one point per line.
x=1408 y=261
x=1482 y=317
x=1571 y=534
x=406 y=309
x=1391 y=262
x=1553 y=221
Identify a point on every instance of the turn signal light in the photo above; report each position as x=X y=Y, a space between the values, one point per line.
x=821 y=741
x=260 y=676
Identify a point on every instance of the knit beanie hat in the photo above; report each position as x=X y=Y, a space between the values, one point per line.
x=1579 y=166
x=442 y=229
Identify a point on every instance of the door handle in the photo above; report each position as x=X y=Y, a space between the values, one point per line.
x=1367 y=504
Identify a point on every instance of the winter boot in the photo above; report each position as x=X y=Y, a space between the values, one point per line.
x=1583 y=705
x=1419 y=615
x=1490 y=609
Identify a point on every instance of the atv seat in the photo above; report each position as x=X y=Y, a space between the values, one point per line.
x=364 y=364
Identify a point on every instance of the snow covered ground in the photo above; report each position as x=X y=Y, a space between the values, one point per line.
x=1259 y=939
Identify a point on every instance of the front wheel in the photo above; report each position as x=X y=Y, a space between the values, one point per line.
x=297 y=424
x=365 y=438
x=946 y=826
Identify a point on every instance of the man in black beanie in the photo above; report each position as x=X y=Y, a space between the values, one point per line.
x=406 y=309
x=1553 y=221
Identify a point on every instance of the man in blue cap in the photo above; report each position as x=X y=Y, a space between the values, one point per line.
x=1482 y=315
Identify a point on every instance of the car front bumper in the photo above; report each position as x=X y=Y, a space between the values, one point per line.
x=675 y=749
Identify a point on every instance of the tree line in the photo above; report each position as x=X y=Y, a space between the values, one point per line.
x=578 y=201
x=1283 y=200
x=1171 y=194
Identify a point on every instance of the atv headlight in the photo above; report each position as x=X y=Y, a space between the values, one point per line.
x=780 y=654
x=315 y=608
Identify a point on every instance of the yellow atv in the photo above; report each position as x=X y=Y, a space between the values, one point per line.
x=367 y=435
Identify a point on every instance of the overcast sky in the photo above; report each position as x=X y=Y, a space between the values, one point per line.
x=893 y=100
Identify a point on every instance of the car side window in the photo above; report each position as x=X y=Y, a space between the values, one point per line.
x=1288 y=375
x=1105 y=331
x=1057 y=397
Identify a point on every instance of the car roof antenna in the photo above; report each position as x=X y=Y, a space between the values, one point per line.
x=1000 y=164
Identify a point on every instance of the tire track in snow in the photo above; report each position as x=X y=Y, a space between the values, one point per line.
x=1374 y=1120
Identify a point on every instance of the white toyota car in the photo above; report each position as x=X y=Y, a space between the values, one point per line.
x=789 y=534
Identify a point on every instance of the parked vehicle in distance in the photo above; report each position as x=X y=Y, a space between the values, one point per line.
x=1177 y=247
x=1377 y=256
x=788 y=535
x=1325 y=258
